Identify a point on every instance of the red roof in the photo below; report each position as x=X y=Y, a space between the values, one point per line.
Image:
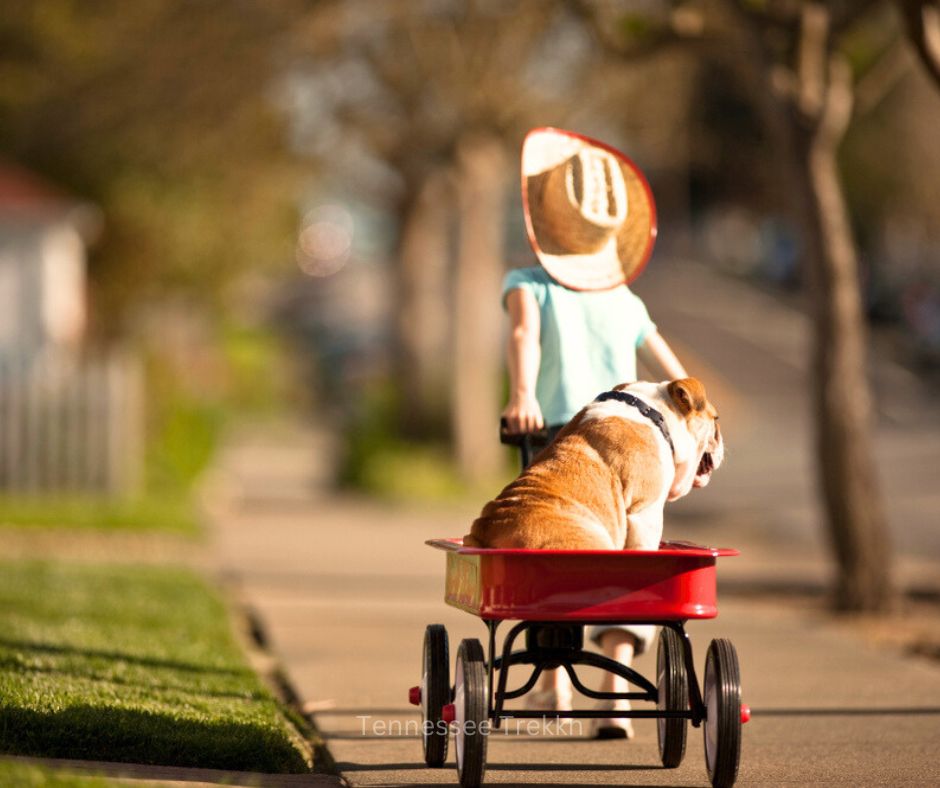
x=22 y=190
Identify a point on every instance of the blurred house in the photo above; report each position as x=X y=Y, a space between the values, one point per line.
x=71 y=420
x=43 y=238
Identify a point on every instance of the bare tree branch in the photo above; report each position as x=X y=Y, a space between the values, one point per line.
x=812 y=59
x=922 y=22
x=848 y=13
x=780 y=15
x=881 y=78
x=785 y=15
x=837 y=108
x=675 y=29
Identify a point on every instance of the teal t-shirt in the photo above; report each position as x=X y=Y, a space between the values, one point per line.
x=588 y=339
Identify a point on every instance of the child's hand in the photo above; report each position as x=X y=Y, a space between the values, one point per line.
x=523 y=414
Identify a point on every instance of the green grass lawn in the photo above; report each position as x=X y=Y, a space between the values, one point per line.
x=171 y=514
x=27 y=775
x=131 y=664
x=182 y=444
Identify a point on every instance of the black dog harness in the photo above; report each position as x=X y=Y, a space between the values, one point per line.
x=651 y=413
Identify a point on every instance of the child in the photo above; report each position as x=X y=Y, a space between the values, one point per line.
x=576 y=329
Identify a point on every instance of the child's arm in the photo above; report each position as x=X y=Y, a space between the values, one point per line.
x=659 y=359
x=524 y=355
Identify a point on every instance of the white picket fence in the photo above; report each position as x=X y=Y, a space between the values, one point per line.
x=71 y=425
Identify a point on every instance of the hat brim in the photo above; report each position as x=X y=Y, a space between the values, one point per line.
x=627 y=252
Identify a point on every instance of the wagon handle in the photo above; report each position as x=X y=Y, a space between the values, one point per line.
x=521 y=439
x=528 y=442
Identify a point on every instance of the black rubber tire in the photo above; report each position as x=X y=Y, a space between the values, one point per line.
x=722 y=726
x=435 y=672
x=673 y=686
x=471 y=700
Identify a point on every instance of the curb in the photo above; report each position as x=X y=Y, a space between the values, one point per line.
x=276 y=677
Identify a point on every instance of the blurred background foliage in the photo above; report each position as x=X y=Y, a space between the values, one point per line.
x=312 y=203
x=159 y=112
x=203 y=129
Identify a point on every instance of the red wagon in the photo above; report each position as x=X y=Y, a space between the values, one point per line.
x=552 y=594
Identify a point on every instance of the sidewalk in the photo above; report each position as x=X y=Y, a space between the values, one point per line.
x=345 y=588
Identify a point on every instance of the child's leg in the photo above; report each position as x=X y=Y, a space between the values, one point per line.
x=553 y=693
x=621 y=644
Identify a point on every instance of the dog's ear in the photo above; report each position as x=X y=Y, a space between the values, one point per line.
x=688 y=394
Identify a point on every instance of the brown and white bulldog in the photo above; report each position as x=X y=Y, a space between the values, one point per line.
x=603 y=482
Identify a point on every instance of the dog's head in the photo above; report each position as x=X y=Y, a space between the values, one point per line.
x=690 y=403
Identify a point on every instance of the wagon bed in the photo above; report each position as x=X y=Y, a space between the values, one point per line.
x=676 y=582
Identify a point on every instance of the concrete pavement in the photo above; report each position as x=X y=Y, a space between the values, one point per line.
x=345 y=587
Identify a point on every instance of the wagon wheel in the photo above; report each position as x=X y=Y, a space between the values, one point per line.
x=471 y=713
x=673 y=687
x=723 y=709
x=435 y=692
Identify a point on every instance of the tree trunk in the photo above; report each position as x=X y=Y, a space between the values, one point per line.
x=858 y=528
x=422 y=321
x=477 y=362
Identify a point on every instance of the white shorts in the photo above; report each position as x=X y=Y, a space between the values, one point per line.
x=644 y=634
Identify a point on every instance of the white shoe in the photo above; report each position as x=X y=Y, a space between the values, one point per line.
x=549 y=700
x=613 y=727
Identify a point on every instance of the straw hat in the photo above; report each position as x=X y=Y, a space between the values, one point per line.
x=589 y=211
